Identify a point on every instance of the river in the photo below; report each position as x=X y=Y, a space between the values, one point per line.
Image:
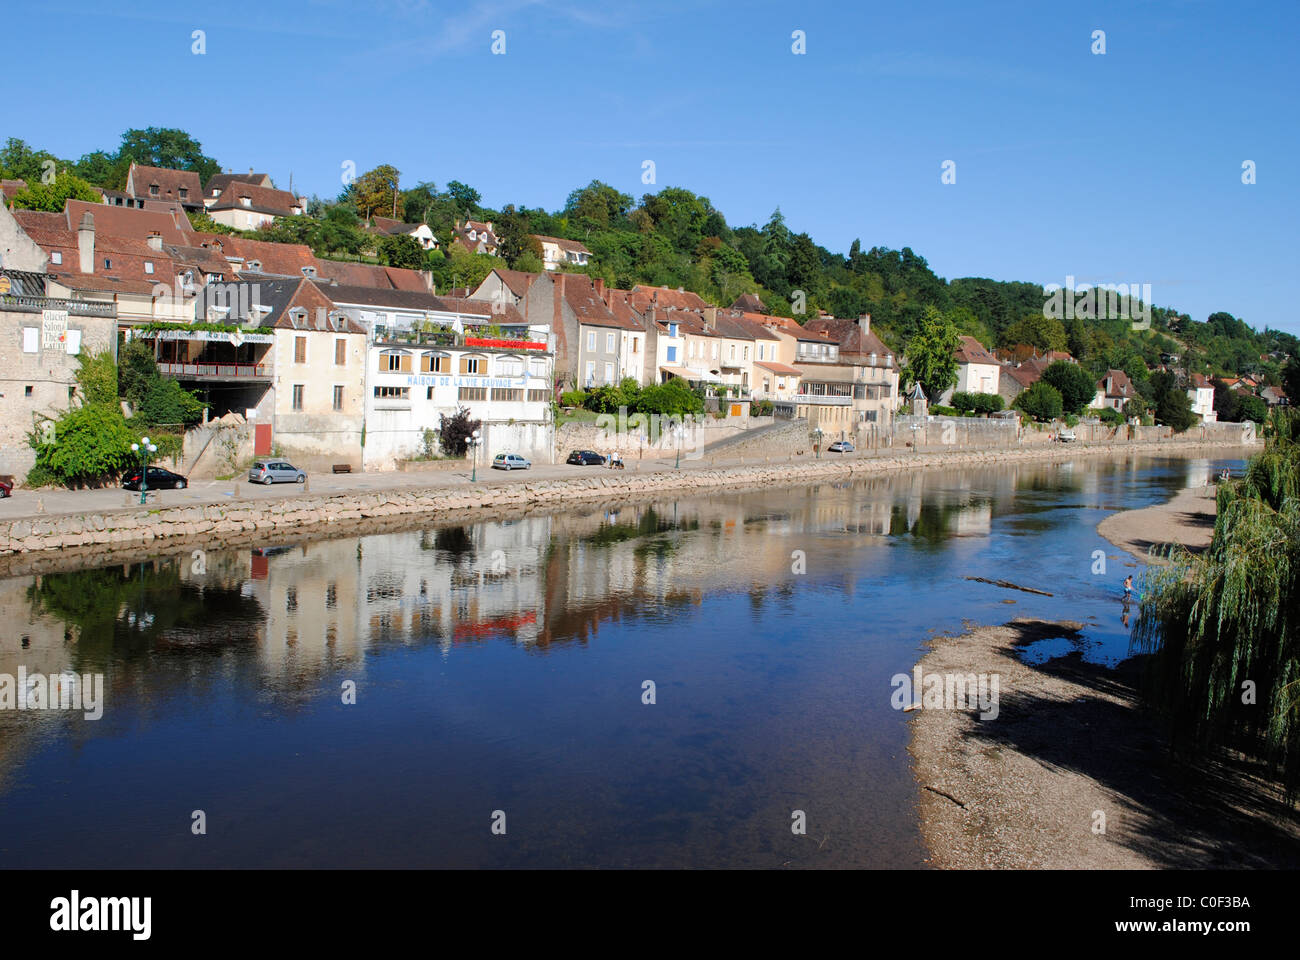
x=500 y=674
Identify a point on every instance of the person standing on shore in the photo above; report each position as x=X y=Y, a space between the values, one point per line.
x=1128 y=587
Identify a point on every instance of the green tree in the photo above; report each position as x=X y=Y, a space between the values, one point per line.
x=136 y=370
x=52 y=196
x=401 y=251
x=1040 y=400
x=167 y=147
x=89 y=443
x=1074 y=384
x=167 y=403
x=1172 y=405
x=18 y=161
x=930 y=355
x=97 y=377
x=377 y=191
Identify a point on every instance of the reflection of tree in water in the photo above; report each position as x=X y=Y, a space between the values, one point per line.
x=648 y=523
x=1051 y=480
x=934 y=521
x=127 y=613
x=454 y=541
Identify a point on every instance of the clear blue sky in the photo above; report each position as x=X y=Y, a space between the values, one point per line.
x=1117 y=168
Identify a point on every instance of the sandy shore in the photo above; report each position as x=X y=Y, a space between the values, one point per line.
x=1072 y=744
x=1187 y=519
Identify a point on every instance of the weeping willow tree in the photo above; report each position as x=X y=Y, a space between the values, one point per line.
x=1225 y=626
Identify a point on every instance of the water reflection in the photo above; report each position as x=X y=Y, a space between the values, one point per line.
x=773 y=672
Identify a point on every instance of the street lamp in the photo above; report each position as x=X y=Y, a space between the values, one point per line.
x=817 y=442
x=144 y=448
x=474 y=441
x=677 y=429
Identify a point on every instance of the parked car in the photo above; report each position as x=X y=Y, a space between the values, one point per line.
x=275 y=471
x=840 y=446
x=586 y=458
x=510 y=461
x=159 y=479
x=1066 y=436
x=6 y=487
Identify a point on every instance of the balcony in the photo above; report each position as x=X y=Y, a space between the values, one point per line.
x=216 y=371
x=823 y=400
x=75 y=308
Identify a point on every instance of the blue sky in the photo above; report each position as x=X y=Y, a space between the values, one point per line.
x=1122 y=167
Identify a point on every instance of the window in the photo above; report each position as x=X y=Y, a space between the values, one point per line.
x=338 y=398
x=429 y=394
x=472 y=393
x=299 y=349
x=56 y=257
x=733 y=351
x=591 y=339
x=391 y=393
x=747 y=353
x=609 y=373
x=431 y=363
x=510 y=367
x=471 y=365
x=332 y=594
x=340 y=353
x=246 y=201
x=636 y=344
x=591 y=372
x=504 y=395
x=672 y=329
x=537 y=368
x=539 y=396
x=184 y=192
x=153 y=189
x=762 y=352
x=148 y=266
x=394 y=362
x=27 y=391
x=108 y=264
x=610 y=342
x=672 y=354
x=715 y=349
x=297 y=396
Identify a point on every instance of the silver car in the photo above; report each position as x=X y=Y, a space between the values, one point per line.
x=510 y=461
x=275 y=471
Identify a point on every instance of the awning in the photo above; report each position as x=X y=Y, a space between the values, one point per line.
x=690 y=374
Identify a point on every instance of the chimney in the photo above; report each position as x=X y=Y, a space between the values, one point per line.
x=86 y=243
x=710 y=318
x=864 y=323
x=155 y=241
x=428 y=279
x=600 y=287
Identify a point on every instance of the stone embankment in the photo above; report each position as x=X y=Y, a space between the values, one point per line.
x=268 y=521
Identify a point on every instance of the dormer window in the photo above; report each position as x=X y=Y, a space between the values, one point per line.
x=148 y=266
x=255 y=265
x=309 y=271
x=108 y=264
x=56 y=257
x=473 y=235
x=246 y=201
x=184 y=192
x=153 y=189
x=296 y=210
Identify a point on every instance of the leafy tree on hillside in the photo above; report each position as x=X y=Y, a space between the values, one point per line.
x=167 y=147
x=401 y=251
x=53 y=196
x=1075 y=385
x=376 y=192
x=930 y=358
x=1040 y=400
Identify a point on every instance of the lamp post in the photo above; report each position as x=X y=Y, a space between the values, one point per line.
x=817 y=442
x=474 y=441
x=144 y=448
x=677 y=429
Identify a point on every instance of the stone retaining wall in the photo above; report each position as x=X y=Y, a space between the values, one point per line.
x=103 y=533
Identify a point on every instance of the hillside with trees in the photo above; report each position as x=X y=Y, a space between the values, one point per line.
x=677 y=238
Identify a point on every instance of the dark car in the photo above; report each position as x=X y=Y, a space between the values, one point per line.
x=159 y=479
x=586 y=458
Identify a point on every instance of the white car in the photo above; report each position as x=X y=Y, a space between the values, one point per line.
x=510 y=461
x=1066 y=436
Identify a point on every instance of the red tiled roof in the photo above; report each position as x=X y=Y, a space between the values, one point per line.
x=173 y=226
x=579 y=292
x=780 y=368
x=279 y=203
x=666 y=298
x=1121 y=385
x=970 y=350
x=141 y=179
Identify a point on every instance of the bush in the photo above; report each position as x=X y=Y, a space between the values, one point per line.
x=671 y=398
x=1042 y=401
x=977 y=404
x=761 y=408
x=167 y=402
x=88 y=444
x=455 y=432
x=573 y=398
x=939 y=410
x=1111 y=416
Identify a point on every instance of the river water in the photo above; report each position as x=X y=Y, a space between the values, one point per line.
x=499 y=677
